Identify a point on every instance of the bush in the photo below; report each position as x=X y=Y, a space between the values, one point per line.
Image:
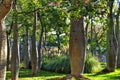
x=91 y=64
x=61 y=64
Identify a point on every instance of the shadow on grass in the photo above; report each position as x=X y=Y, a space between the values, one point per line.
x=107 y=75
x=25 y=73
x=103 y=72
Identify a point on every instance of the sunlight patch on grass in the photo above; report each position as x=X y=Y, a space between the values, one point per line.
x=43 y=75
x=106 y=76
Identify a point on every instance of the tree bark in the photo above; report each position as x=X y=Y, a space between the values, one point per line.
x=110 y=44
x=34 y=51
x=3 y=50
x=40 y=44
x=118 y=36
x=8 y=47
x=15 y=58
x=5 y=7
x=27 y=53
x=77 y=47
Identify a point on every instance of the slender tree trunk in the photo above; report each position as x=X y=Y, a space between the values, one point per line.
x=77 y=47
x=4 y=10
x=92 y=47
x=15 y=58
x=8 y=52
x=27 y=53
x=110 y=44
x=34 y=51
x=58 y=39
x=86 y=34
x=118 y=36
x=8 y=47
x=45 y=37
x=40 y=44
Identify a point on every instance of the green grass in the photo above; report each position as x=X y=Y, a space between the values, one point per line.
x=106 y=76
x=44 y=75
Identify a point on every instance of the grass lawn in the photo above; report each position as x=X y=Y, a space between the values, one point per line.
x=106 y=76
x=44 y=75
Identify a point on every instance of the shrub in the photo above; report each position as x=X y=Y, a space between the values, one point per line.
x=61 y=64
x=91 y=64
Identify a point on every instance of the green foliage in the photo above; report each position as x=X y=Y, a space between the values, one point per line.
x=57 y=64
x=91 y=64
x=62 y=64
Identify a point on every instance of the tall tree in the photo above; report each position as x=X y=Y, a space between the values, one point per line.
x=77 y=47
x=34 y=51
x=40 y=43
x=27 y=53
x=15 y=58
x=110 y=36
x=8 y=46
x=118 y=36
x=5 y=8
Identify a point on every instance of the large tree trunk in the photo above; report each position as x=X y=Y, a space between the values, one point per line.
x=77 y=47
x=3 y=50
x=4 y=10
x=15 y=54
x=34 y=51
x=110 y=44
x=27 y=53
x=40 y=44
x=118 y=36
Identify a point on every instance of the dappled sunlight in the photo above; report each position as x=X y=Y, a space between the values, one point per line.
x=105 y=76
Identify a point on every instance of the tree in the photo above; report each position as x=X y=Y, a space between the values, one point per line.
x=40 y=43
x=27 y=53
x=110 y=38
x=5 y=8
x=15 y=58
x=34 y=51
x=118 y=36
x=77 y=47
